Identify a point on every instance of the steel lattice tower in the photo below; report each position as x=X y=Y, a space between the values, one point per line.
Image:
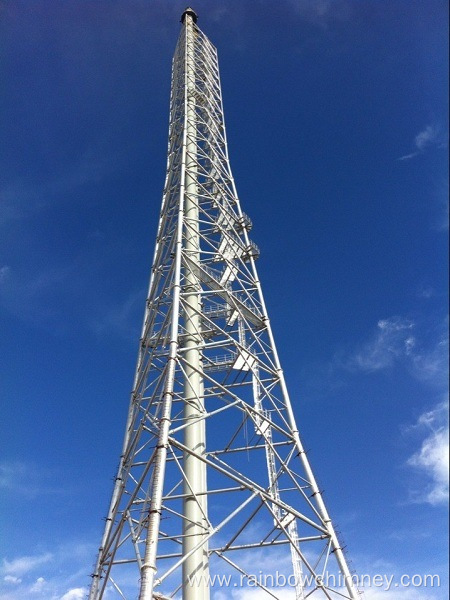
x=213 y=477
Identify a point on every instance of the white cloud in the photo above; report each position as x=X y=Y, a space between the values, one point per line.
x=4 y=273
x=27 y=295
x=392 y=340
x=321 y=12
x=75 y=594
x=430 y=136
x=22 y=198
x=38 y=585
x=10 y=472
x=28 y=480
x=431 y=365
x=25 y=564
x=408 y=156
x=317 y=8
x=432 y=459
x=12 y=579
x=397 y=341
x=426 y=291
x=50 y=576
x=265 y=561
x=426 y=137
x=393 y=343
x=121 y=318
x=402 y=535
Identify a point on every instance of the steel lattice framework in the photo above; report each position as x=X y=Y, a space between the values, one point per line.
x=213 y=477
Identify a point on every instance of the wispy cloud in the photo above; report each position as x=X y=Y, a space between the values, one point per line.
x=39 y=585
x=402 y=535
x=432 y=459
x=4 y=273
x=58 y=575
x=29 y=481
x=22 y=198
x=12 y=579
x=426 y=292
x=26 y=295
x=122 y=318
x=75 y=594
x=397 y=340
x=24 y=564
x=43 y=589
x=431 y=364
x=43 y=296
x=392 y=340
x=429 y=137
x=10 y=472
x=321 y=12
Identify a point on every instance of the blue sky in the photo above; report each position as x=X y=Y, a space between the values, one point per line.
x=336 y=113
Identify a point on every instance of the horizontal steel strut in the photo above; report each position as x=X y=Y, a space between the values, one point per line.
x=192 y=498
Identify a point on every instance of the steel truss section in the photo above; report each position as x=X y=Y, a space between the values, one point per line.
x=213 y=478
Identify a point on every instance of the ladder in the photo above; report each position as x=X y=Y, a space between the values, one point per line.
x=262 y=427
